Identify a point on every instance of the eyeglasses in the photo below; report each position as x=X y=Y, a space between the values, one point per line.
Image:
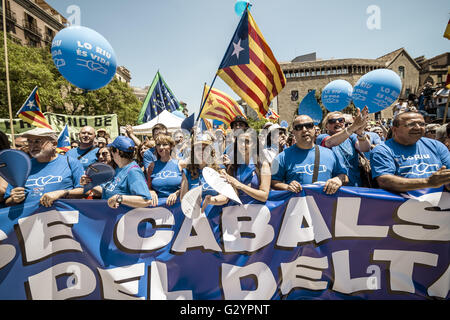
x=431 y=131
x=300 y=126
x=333 y=121
x=103 y=154
x=348 y=124
x=413 y=124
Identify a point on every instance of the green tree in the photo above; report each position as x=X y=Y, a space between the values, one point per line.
x=30 y=67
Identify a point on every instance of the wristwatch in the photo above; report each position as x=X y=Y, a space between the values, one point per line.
x=119 y=199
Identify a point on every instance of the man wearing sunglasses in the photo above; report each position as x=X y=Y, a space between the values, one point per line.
x=410 y=161
x=297 y=165
x=346 y=141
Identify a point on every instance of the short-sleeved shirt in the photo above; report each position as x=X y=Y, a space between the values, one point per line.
x=62 y=173
x=248 y=175
x=87 y=159
x=419 y=160
x=192 y=183
x=297 y=164
x=166 y=178
x=348 y=157
x=128 y=180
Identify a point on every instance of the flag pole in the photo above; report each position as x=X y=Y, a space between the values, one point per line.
x=7 y=74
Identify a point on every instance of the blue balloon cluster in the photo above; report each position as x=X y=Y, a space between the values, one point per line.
x=377 y=90
x=310 y=107
x=84 y=57
x=337 y=95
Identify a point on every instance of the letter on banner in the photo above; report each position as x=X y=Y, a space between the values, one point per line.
x=415 y=211
x=346 y=225
x=293 y=273
x=7 y=251
x=43 y=285
x=115 y=286
x=342 y=280
x=250 y=220
x=204 y=236
x=441 y=287
x=127 y=229
x=402 y=265
x=291 y=233
x=231 y=282
x=38 y=234
x=159 y=285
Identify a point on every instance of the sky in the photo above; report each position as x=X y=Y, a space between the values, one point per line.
x=186 y=39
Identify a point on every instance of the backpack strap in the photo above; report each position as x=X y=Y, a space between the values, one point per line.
x=85 y=153
x=316 y=163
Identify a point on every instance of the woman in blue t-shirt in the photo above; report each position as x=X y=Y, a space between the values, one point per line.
x=128 y=186
x=202 y=155
x=164 y=175
x=246 y=174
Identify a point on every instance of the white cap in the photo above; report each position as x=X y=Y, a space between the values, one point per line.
x=41 y=132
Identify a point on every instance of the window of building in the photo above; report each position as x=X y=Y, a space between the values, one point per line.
x=307 y=73
x=287 y=75
x=294 y=95
x=313 y=73
x=401 y=72
x=439 y=78
x=303 y=74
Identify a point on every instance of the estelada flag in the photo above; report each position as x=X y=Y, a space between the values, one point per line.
x=31 y=111
x=63 y=140
x=250 y=68
x=272 y=115
x=220 y=106
x=447 y=31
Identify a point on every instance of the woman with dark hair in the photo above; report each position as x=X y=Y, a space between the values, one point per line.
x=249 y=173
x=4 y=144
x=164 y=175
x=144 y=146
x=192 y=175
x=128 y=186
x=104 y=156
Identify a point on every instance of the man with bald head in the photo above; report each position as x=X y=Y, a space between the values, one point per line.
x=410 y=161
x=86 y=152
x=305 y=162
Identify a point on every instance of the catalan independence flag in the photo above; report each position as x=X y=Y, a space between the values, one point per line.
x=447 y=30
x=272 y=115
x=63 y=140
x=220 y=106
x=250 y=68
x=31 y=111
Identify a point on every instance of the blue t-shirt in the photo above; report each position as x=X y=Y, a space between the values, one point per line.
x=192 y=183
x=419 y=160
x=86 y=160
x=374 y=139
x=348 y=157
x=63 y=173
x=166 y=178
x=248 y=175
x=128 y=180
x=298 y=164
x=149 y=157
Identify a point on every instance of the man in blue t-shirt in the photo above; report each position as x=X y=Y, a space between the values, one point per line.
x=52 y=176
x=86 y=153
x=410 y=161
x=295 y=165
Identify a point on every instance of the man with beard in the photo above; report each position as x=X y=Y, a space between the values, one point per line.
x=52 y=176
x=346 y=141
x=410 y=161
x=86 y=152
x=305 y=162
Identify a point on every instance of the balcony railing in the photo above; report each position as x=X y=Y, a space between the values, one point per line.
x=11 y=16
x=31 y=27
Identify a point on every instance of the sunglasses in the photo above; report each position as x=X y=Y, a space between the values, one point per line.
x=431 y=131
x=103 y=154
x=333 y=121
x=300 y=126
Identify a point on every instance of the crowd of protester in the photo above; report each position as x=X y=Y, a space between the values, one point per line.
x=403 y=154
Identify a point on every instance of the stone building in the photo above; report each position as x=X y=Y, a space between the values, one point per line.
x=32 y=23
x=306 y=73
x=123 y=74
x=434 y=70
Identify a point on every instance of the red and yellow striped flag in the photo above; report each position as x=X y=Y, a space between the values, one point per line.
x=31 y=111
x=220 y=106
x=250 y=68
x=447 y=31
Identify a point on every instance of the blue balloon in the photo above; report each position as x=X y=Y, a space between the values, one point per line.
x=377 y=90
x=284 y=124
x=240 y=6
x=15 y=167
x=84 y=57
x=310 y=107
x=337 y=95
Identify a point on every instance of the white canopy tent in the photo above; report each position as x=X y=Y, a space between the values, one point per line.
x=172 y=122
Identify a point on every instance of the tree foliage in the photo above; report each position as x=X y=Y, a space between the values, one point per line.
x=30 y=67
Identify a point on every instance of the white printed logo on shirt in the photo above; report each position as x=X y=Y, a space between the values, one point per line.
x=309 y=169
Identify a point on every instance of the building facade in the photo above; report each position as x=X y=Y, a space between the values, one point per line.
x=32 y=23
x=309 y=74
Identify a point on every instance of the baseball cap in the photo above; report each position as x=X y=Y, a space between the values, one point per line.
x=123 y=143
x=41 y=132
